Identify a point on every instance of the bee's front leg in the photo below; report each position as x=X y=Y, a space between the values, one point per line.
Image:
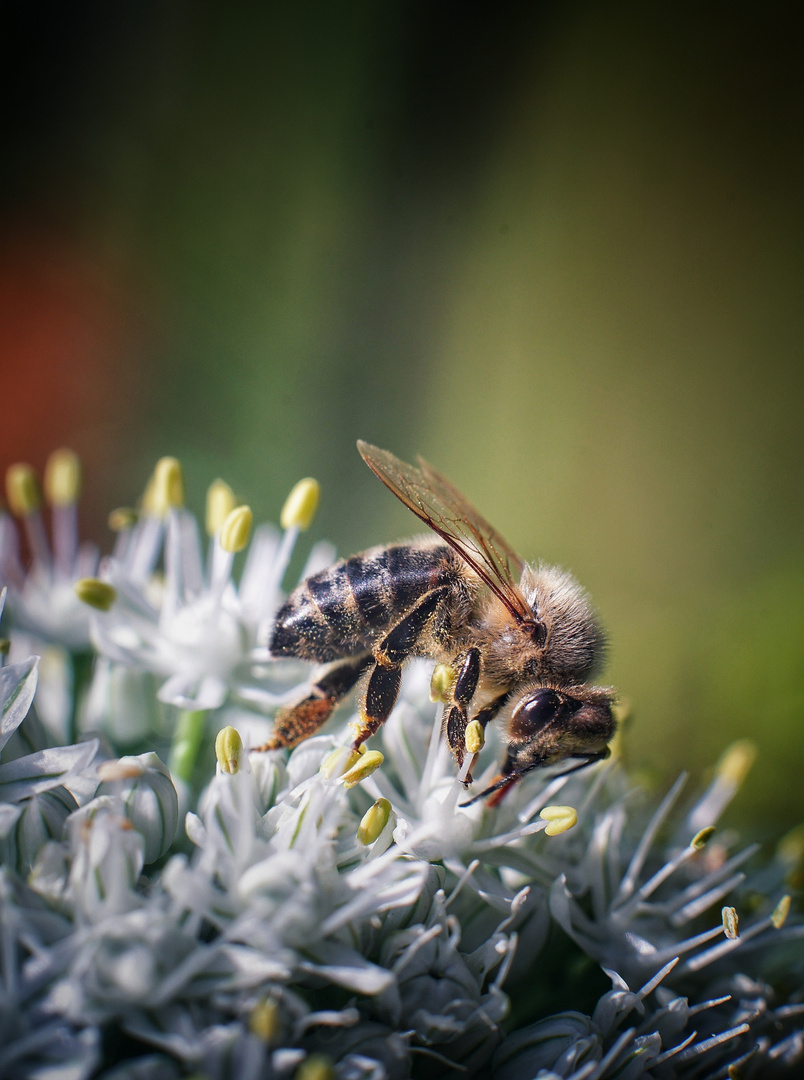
x=389 y=654
x=455 y=717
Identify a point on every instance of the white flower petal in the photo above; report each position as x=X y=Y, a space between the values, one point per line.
x=17 y=688
x=45 y=769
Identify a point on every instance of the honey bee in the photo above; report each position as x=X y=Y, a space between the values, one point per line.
x=518 y=650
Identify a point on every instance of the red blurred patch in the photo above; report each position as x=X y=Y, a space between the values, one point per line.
x=65 y=369
x=61 y=333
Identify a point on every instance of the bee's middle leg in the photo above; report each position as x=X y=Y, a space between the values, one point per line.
x=390 y=653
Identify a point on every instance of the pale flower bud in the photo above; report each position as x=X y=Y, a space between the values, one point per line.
x=41 y=820
x=149 y=798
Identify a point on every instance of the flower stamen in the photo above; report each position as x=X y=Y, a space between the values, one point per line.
x=96 y=593
x=559 y=818
x=229 y=750
x=368 y=763
x=221 y=502
x=374 y=821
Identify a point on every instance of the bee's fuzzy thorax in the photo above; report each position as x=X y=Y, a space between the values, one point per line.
x=575 y=642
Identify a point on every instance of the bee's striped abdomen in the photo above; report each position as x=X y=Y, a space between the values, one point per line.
x=345 y=609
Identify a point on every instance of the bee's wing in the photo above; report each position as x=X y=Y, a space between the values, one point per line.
x=441 y=506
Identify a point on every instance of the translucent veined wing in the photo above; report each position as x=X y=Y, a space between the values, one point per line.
x=441 y=506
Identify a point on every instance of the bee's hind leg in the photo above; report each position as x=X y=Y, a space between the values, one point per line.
x=303 y=719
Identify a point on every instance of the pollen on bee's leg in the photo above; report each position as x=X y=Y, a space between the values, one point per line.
x=299 y=722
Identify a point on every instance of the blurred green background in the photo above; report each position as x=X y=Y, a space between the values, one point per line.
x=555 y=248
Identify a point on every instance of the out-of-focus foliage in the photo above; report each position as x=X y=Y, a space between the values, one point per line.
x=556 y=251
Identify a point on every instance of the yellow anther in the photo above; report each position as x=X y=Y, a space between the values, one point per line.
x=5 y=646
x=236 y=530
x=369 y=763
x=62 y=478
x=780 y=912
x=791 y=847
x=122 y=519
x=441 y=683
x=373 y=821
x=148 y=501
x=221 y=502
x=731 y=923
x=229 y=750
x=265 y=1021
x=315 y=1067
x=168 y=486
x=301 y=505
x=736 y=762
x=475 y=737
x=561 y=818
x=702 y=838
x=339 y=761
x=96 y=593
x=22 y=490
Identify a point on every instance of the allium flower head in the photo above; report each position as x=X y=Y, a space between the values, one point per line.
x=168 y=611
x=329 y=913
x=41 y=595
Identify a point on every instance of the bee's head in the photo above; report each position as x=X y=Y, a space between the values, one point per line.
x=548 y=725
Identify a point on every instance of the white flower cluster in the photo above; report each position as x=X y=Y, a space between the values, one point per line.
x=325 y=914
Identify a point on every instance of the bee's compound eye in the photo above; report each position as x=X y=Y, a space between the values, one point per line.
x=532 y=714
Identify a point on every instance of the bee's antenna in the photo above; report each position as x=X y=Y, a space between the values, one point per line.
x=512 y=778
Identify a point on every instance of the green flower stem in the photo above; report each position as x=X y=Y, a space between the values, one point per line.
x=83 y=665
x=186 y=744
